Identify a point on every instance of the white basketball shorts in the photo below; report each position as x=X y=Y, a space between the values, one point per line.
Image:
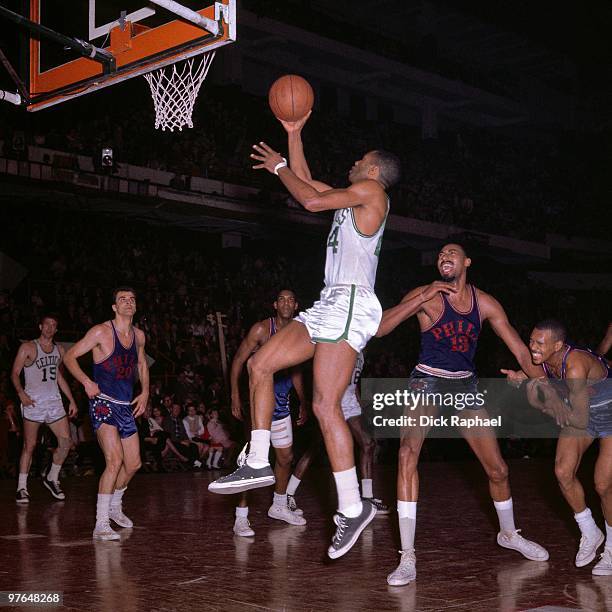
x=343 y=312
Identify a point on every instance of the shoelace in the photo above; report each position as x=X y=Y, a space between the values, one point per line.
x=532 y=545
x=342 y=524
x=291 y=503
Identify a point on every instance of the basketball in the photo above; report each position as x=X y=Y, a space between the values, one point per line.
x=290 y=97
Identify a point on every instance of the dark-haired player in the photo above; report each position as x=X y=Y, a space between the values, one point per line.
x=118 y=352
x=41 y=403
x=333 y=331
x=450 y=314
x=587 y=391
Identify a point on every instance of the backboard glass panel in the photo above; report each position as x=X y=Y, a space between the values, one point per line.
x=148 y=38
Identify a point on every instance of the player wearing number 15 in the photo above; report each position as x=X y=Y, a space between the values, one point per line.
x=41 y=403
x=333 y=331
x=118 y=352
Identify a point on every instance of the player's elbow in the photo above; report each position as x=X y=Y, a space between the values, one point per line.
x=312 y=204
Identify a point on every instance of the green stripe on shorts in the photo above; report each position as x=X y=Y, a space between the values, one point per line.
x=344 y=335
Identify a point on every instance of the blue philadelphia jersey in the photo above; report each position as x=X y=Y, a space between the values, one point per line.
x=448 y=347
x=116 y=374
x=600 y=392
x=283 y=384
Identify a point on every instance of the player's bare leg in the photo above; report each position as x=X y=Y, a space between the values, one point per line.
x=129 y=467
x=30 y=439
x=603 y=485
x=367 y=446
x=290 y=346
x=332 y=369
x=61 y=430
x=411 y=444
x=110 y=443
x=282 y=470
x=571 y=447
x=483 y=442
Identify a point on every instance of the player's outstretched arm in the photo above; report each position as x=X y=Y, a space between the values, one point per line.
x=91 y=339
x=411 y=304
x=606 y=343
x=252 y=341
x=26 y=351
x=140 y=401
x=362 y=193
x=492 y=310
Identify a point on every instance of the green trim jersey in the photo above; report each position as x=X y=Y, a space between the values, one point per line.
x=41 y=375
x=352 y=257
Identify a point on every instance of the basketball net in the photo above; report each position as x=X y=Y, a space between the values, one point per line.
x=175 y=88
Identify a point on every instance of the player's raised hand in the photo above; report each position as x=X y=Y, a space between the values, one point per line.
x=268 y=157
x=141 y=403
x=295 y=126
x=438 y=287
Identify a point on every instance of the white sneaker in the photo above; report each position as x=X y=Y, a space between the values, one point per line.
x=242 y=527
x=292 y=505
x=514 y=541
x=604 y=565
x=282 y=513
x=405 y=572
x=116 y=515
x=103 y=531
x=587 y=549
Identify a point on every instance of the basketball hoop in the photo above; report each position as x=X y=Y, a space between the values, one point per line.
x=174 y=89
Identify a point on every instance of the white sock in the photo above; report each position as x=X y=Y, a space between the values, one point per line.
x=54 y=471
x=294 y=483
x=217 y=458
x=585 y=521
x=608 y=535
x=104 y=500
x=280 y=499
x=347 y=486
x=260 y=448
x=210 y=458
x=406 y=512
x=366 y=488
x=505 y=514
x=22 y=482
x=242 y=512
x=117 y=497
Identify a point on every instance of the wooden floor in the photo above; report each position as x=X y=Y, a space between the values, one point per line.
x=182 y=555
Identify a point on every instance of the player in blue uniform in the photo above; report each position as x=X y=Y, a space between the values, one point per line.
x=118 y=354
x=582 y=405
x=450 y=314
x=285 y=307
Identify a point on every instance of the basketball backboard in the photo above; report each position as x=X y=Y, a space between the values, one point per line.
x=139 y=37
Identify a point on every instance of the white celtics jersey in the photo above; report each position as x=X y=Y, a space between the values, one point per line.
x=350 y=395
x=41 y=375
x=352 y=257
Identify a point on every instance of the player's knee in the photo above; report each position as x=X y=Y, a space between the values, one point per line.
x=325 y=410
x=113 y=464
x=29 y=446
x=257 y=368
x=498 y=473
x=564 y=474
